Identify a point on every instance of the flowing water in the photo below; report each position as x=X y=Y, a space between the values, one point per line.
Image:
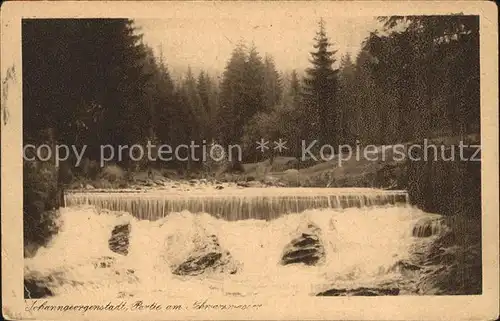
x=235 y=204
x=362 y=244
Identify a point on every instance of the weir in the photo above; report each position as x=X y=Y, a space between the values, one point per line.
x=233 y=204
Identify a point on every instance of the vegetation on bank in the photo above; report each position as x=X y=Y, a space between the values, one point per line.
x=108 y=87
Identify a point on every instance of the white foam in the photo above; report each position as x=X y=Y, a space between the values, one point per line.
x=361 y=244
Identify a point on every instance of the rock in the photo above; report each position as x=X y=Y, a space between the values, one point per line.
x=88 y=186
x=104 y=262
x=243 y=184
x=169 y=173
x=291 y=177
x=30 y=249
x=428 y=227
x=207 y=256
x=270 y=180
x=119 y=240
x=255 y=184
x=306 y=248
x=292 y=171
x=362 y=291
x=122 y=185
x=36 y=286
x=406 y=268
x=219 y=187
x=46 y=284
x=405 y=265
x=292 y=162
x=159 y=181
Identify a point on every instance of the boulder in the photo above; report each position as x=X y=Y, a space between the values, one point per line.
x=41 y=285
x=429 y=226
x=206 y=256
x=270 y=180
x=36 y=286
x=406 y=268
x=159 y=181
x=291 y=175
x=103 y=262
x=306 y=248
x=404 y=265
x=119 y=240
x=361 y=291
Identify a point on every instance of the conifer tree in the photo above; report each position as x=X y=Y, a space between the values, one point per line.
x=320 y=90
x=346 y=101
x=254 y=79
x=208 y=95
x=272 y=83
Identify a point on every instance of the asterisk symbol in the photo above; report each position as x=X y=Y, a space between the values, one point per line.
x=262 y=145
x=280 y=145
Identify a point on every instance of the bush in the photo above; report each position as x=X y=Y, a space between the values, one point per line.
x=103 y=184
x=112 y=173
x=89 y=168
x=40 y=203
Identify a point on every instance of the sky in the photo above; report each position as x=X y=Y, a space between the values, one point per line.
x=206 y=42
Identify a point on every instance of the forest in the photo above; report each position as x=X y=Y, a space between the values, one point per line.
x=393 y=225
x=94 y=81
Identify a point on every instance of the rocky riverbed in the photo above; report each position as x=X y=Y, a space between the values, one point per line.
x=362 y=252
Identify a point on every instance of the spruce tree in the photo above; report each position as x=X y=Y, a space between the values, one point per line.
x=347 y=96
x=320 y=90
x=272 y=83
x=295 y=89
x=232 y=100
x=255 y=86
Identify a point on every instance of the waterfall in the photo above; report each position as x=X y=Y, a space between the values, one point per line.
x=429 y=226
x=234 y=204
x=362 y=245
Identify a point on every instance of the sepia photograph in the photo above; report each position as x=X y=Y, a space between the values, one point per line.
x=218 y=161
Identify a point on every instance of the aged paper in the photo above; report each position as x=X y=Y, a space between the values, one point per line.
x=250 y=160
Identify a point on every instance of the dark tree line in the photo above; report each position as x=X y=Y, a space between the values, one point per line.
x=93 y=81
x=421 y=82
x=418 y=78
